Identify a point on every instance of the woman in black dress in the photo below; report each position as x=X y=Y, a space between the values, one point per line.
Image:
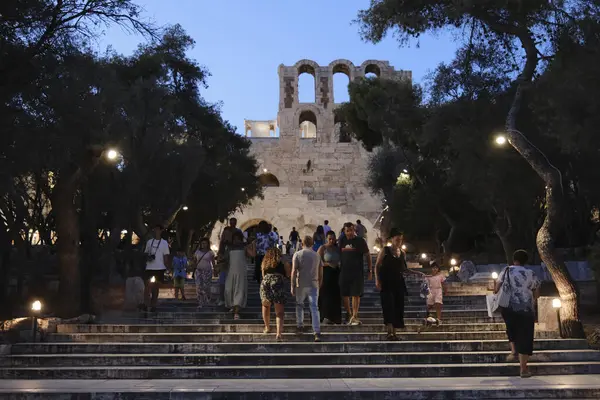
x=390 y=269
x=330 y=298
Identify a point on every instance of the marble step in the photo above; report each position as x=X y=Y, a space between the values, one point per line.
x=375 y=301
x=291 y=307
x=261 y=338
x=411 y=313
x=287 y=347
x=288 y=321
x=463 y=388
x=283 y=359
x=258 y=328
x=298 y=371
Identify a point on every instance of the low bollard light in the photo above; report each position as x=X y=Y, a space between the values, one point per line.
x=36 y=307
x=557 y=305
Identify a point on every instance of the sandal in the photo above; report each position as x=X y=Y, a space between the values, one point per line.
x=266 y=331
x=526 y=374
x=389 y=337
x=279 y=338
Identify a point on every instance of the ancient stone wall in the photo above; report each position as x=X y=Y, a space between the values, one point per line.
x=319 y=178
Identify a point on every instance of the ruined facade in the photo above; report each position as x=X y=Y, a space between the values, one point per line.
x=311 y=170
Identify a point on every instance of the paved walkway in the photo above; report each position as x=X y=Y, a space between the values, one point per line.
x=547 y=382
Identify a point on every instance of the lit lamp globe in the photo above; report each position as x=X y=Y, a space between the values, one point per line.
x=403 y=247
x=500 y=140
x=214 y=247
x=152 y=279
x=556 y=303
x=112 y=154
x=185 y=208
x=389 y=244
x=424 y=256
x=36 y=306
x=453 y=261
x=494 y=275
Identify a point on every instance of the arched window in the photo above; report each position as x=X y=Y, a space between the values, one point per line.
x=341 y=80
x=306 y=84
x=372 y=71
x=308 y=124
x=268 y=180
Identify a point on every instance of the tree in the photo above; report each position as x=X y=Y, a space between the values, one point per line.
x=525 y=32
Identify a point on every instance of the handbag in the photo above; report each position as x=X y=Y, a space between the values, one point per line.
x=502 y=298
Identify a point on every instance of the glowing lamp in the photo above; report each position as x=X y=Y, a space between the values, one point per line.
x=453 y=261
x=185 y=208
x=424 y=256
x=243 y=189
x=405 y=171
x=112 y=154
x=377 y=249
x=36 y=306
x=500 y=140
x=494 y=275
x=403 y=247
x=265 y=170
x=214 y=247
x=556 y=303
x=389 y=244
x=152 y=279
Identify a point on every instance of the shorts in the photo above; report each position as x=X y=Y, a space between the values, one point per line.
x=158 y=274
x=179 y=282
x=434 y=297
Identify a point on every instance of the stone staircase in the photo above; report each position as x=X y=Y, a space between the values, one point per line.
x=182 y=353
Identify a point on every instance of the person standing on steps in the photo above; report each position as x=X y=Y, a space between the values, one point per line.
x=264 y=241
x=318 y=238
x=226 y=240
x=326 y=227
x=294 y=236
x=390 y=269
x=352 y=271
x=519 y=316
x=361 y=231
x=157 y=258
x=236 y=286
x=272 y=290
x=330 y=298
x=307 y=276
x=180 y=266
x=204 y=258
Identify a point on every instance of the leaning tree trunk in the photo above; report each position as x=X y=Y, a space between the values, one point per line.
x=67 y=230
x=570 y=320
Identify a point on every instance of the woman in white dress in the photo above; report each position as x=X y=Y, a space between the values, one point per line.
x=236 y=285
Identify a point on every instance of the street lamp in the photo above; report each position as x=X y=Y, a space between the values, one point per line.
x=214 y=247
x=495 y=278
x=376 y=249
x=389 y=244
x=243 y=189
x=424 y=256
x=265 y=170
x=453 y=261
x=112 y=154
x=185 y=208
x=403 y=247
x=500 y=140
x=557 y=304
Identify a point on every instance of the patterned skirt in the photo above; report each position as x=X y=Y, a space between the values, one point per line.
x=272 y=289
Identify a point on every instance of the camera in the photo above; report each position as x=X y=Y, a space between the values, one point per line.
x=150 y=257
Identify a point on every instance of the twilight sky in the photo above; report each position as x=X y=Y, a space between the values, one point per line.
x=242 y=42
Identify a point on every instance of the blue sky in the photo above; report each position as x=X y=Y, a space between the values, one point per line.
x=242 y=42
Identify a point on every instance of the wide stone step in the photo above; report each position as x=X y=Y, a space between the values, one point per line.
x=463 y=388
x=292 y=314
x=297 y=371
x=288 y=321
x=288 y=347
x=464 y=301
x=283 y=359
x=253 y=337
x=291 y=307
x=256 y=328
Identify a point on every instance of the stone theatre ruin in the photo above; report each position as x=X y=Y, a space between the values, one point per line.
x=311 y=171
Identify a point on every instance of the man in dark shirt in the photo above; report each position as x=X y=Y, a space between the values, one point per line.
x=294 y=236
x=352 y=279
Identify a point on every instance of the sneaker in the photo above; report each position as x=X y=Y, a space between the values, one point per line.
x=299 y=330
x=355 y=322
x=511 y=357
x=526 y=374
x=317 y=337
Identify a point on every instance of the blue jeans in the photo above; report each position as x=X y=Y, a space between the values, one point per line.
x=313 y=303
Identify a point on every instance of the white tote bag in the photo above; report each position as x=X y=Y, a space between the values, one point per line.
x=502 y=298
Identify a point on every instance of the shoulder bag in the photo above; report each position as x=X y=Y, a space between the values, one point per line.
x=502 y=298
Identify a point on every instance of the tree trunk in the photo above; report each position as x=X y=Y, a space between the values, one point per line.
x=67 y=230
x=546 y=236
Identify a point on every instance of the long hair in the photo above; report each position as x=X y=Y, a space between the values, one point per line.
x=271 y=259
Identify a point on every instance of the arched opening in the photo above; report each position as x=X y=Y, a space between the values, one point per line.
x=307 y=84
x=248 y=131
x=341 y=80
x=341 y=130
x=250 y=227
x=308 y=124
x=372 y=71
x=268 y=180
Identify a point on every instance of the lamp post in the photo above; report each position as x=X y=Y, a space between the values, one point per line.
x=185 y=208
x=495 y=278
x=424 y=256
x=36 y=307
x=557 y=304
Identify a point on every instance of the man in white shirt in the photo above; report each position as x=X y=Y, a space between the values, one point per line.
x=157 y=259
x=307 y=275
